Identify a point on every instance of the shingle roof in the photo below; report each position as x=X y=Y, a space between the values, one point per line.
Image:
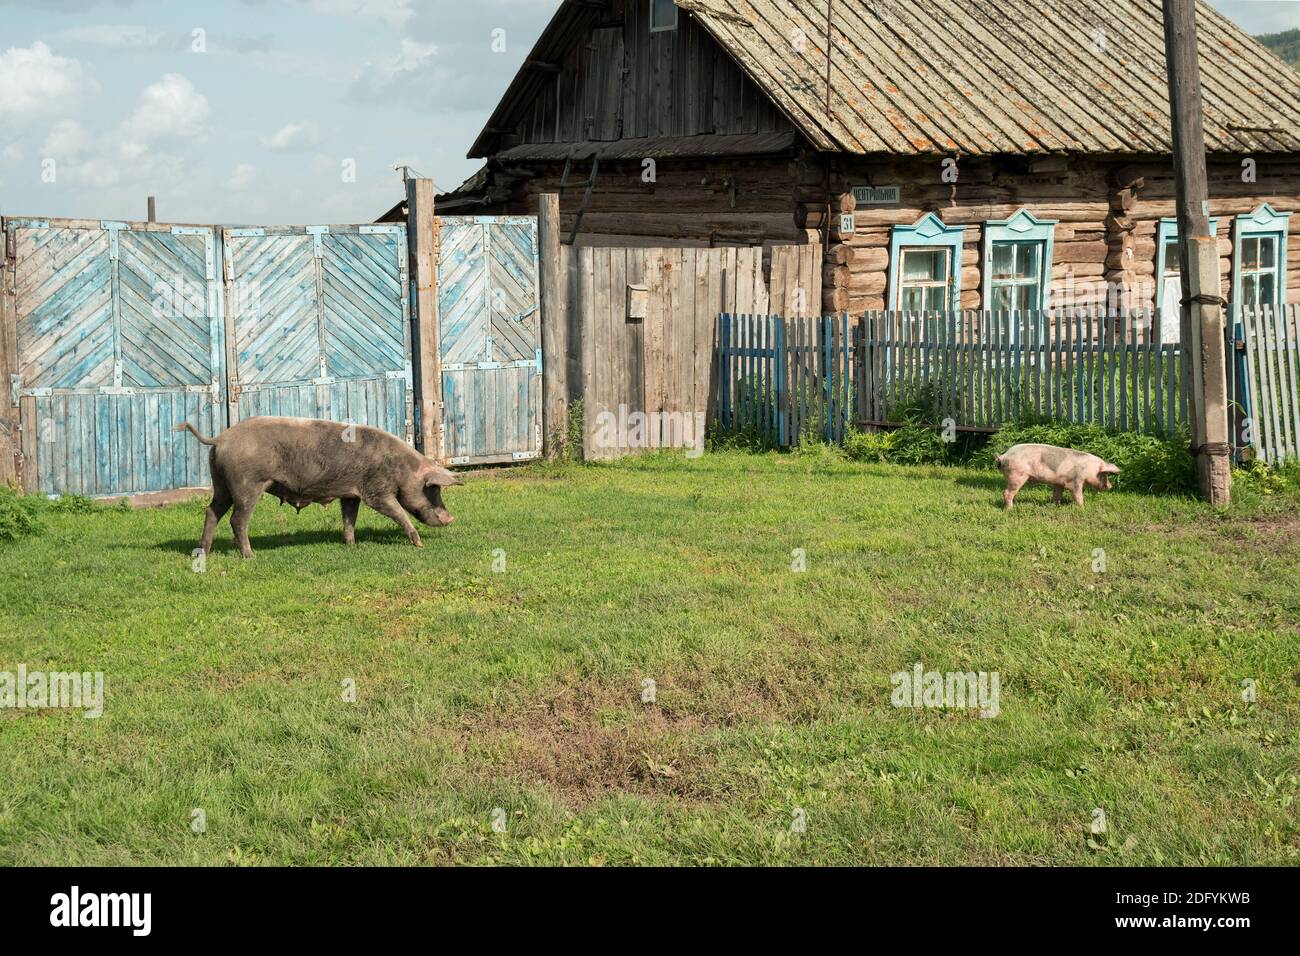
x=1000 y=76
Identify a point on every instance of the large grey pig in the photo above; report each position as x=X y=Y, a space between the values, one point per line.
x=1059 y=467
x=306 y=460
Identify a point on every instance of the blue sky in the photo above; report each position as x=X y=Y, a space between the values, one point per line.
x=259 y=116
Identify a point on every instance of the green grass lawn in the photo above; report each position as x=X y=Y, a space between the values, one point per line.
x=522 y=690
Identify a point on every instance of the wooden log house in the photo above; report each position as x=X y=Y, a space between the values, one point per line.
x=987 y=154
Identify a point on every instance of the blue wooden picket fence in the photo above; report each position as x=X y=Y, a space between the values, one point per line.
x=780 y=380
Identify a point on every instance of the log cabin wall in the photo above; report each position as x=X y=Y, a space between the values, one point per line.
x=1073 y=192
x=1107 y=212
x=1144 y=194
x=709 y=202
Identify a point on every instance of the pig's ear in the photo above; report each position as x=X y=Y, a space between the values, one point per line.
x=1109 y=469
x=437 y=475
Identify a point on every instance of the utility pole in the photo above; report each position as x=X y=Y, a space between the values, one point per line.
x=1201 y=315
x=153 y=210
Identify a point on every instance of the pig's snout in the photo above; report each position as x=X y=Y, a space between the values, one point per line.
x=443 y=516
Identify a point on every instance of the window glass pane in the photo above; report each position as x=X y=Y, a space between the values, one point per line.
x=922 y=265
x=1002 y=260
x=923 y=278
x=1171 y=257
x=1249 y=292
x=1250 y=253
x=1027 y=260
x=1016 y=276
x=1266 y=294
x=662 y=13
x=1267 y=257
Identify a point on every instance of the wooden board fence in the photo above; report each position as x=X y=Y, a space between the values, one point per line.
x=647 y=381
x=1271 y=399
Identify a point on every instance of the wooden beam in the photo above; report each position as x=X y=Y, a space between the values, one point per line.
x=553 y=276
x=586 y=197
x=10 y=422
x=1202 y=305
x=422 y=245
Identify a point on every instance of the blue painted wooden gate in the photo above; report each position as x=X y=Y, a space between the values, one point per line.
x=319 y=324
x=119 y=335
x=124 y=329
x=488 y=338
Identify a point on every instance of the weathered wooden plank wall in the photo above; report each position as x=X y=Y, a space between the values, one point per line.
x=661 y=366
x=620 y=81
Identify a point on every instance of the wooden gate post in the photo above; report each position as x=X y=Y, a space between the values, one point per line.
x=422 y=245
x=554 y=329
x=10 y=420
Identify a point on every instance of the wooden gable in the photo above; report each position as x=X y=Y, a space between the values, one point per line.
x=600 y=74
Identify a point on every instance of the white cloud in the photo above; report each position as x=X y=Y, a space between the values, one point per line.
x=67 y=141
x=389 y=11
x=170 y=107
x=114 y=35
x=34 y=82
x=409 y=74
x=242 y=177
x=294 y=136
x=12 y=153
x=135 y=150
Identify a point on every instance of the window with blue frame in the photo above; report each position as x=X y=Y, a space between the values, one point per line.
x=1169 y=282
x=925 y=276
x=925 y=265
x=1259 y=258
x=1018 y=262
